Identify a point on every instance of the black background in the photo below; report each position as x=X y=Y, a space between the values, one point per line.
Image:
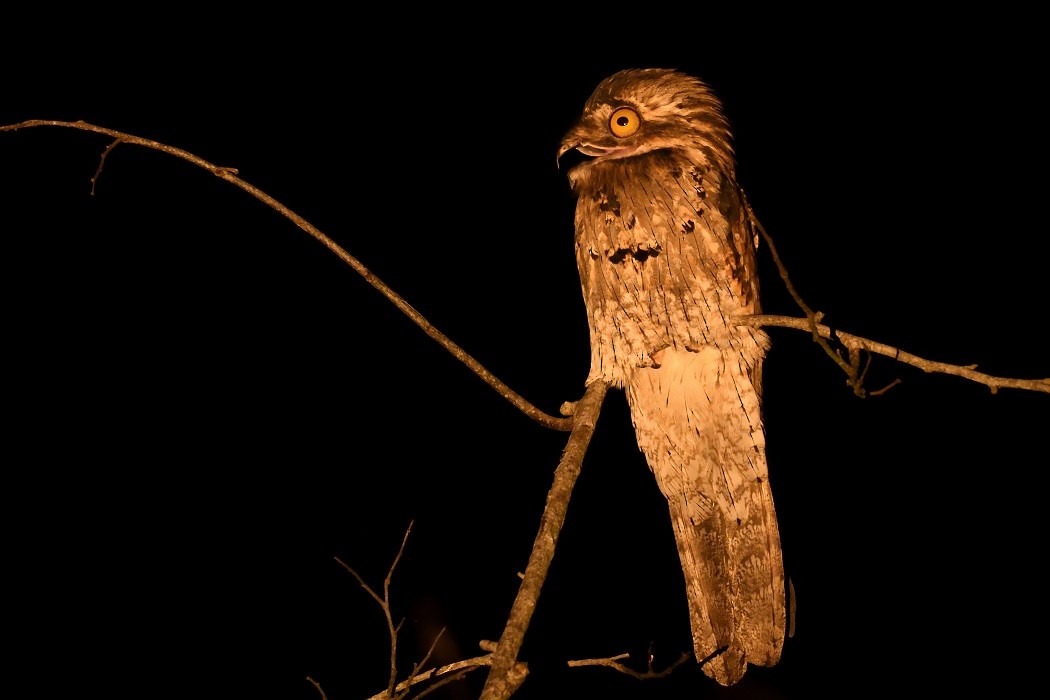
x=205 y=407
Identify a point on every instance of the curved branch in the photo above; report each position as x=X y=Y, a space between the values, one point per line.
x=318 y=687
x=230 y=175
x=855 y=342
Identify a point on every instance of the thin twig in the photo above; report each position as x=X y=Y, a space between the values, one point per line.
x=444 y=681
x=394 y=689
x=613 y=662
x=507 y=673
x=230 y=175
x=813 y=317
x=883 y=390
x=101 y=164
x=458 y=668
x=384 y=603
x=417 y=667
x=855 y=341
x=318 y=686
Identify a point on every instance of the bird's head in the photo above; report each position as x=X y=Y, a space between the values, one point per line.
x=640 y=111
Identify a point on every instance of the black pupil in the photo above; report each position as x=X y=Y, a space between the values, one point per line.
x=622 y=121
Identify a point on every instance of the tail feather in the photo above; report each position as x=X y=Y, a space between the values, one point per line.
x=697 y=417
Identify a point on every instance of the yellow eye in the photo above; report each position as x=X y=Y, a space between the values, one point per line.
x=624 y=122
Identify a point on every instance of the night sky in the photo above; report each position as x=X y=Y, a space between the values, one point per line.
x=205 y=406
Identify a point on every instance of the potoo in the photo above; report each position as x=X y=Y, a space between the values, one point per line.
x=665 y=244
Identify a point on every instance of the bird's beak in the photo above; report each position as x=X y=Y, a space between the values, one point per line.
x=575 y=140
x=571 y=141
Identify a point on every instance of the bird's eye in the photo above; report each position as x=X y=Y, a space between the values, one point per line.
x=624 y=122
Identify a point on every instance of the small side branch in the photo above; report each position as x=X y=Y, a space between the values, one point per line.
x=447 y=674
x=384 y=603
x=230 y=175
x=812 y=317
x=613 y=662
x=98 y=173
x=318 y=687
x=855 y=342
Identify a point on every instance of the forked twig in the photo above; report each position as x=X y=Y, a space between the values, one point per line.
x=446 y=674
x=384 y=603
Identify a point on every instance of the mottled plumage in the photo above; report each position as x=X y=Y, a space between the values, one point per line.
x=665 y=245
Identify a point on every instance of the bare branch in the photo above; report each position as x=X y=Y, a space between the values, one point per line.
x=430 y=652
x=360 y=580
x=883 y=390
x=812 y=317
x=384 y=603
x=613 y=662
x=507 y=673
x=318 y=686
x=459 y=668
x=444 y=681
x=397 y=558
x=101 y=163
x=604 y=661
x=426 y=657
x=394 y=689
x=230 y=175
x=856 y=342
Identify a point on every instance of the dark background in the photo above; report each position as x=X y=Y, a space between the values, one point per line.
x=205 y=407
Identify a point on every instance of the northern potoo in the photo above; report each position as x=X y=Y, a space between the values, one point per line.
x=665 y=244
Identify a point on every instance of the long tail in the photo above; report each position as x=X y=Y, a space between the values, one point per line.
x=698 y=422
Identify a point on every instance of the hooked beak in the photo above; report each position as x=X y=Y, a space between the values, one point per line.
x=595 y=153
x=570 y=142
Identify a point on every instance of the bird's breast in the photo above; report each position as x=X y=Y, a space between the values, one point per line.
x=660 y=259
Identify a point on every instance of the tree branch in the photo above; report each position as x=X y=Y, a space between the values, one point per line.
x=813 y=318
x=507 y=673
x=855 y=342
x=447 y=674
x=458 y=669
x=230 y=175
x=613 y=662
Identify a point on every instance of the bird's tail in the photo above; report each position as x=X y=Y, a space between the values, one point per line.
x=697 y=418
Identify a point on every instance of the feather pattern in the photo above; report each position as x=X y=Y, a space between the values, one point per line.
x=665 y=247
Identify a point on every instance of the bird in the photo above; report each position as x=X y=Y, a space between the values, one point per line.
x=666 y=246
